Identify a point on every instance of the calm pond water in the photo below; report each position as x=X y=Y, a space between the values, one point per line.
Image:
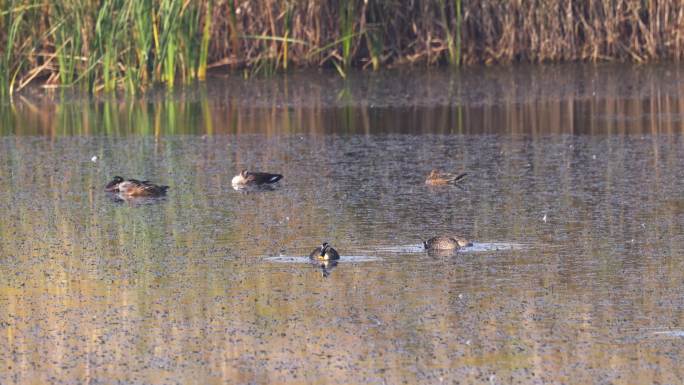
x=574 y=201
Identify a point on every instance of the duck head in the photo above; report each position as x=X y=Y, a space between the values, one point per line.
x=324 y=248
x=463 y=242
x=113 y=186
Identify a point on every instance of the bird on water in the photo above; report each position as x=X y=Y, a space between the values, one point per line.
x=437 y=178
x=324 y=252
x=446 y=243
x=135 y=188
x=248 y=178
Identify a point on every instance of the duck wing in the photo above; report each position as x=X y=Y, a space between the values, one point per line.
x=148 y=190
x=262 y=177
x=316 y=253
x=154 y=189
x=333 y=253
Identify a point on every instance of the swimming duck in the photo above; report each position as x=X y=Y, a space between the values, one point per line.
x=248 y=178
x=441 y=178
x=324 y=252
x=113 y=185
x=136 y=188
x=445 y=243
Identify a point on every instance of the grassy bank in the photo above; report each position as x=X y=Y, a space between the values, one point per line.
x=132 y=44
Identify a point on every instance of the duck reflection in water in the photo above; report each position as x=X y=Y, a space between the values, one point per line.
x=325 y=266
x=135 y=200
x=442 y=253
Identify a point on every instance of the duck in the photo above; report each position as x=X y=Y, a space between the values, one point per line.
x=436 y=178
x=113 y=185
x=324 y=252
x=446 y=243
x=248 y=178
x=135 y=188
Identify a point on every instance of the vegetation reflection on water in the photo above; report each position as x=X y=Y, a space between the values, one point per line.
x=190 y=289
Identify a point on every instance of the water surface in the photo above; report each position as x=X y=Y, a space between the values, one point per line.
x=573 y=201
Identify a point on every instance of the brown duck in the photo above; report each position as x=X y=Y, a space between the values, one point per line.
x=248 y=178
x=445 y=243
x=135 y=188
x=324 y=252
x=436 y=178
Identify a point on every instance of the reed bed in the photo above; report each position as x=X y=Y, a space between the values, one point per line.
x=132 y=45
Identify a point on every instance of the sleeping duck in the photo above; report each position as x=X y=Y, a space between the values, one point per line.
x=248 y=178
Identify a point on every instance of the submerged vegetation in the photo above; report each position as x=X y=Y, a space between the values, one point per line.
x=132 y=44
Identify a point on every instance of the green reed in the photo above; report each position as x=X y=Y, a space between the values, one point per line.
x=12 y=19
x=453 y=38
x=142 y=42
x=110 y=45
x=346 y=30
x=204 y=44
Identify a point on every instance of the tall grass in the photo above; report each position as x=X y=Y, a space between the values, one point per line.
x=134 y=44
x=15 y=42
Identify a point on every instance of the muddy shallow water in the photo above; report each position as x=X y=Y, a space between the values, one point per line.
x=574 y=203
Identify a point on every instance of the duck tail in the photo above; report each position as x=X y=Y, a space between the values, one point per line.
x=424 y=243
x=459 y=177
x=274 y=178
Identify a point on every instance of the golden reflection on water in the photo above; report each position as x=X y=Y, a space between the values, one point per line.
x=540 y=117
x=178 y=291
x=544 y=100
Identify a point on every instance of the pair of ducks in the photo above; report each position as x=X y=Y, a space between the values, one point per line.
x=137 y=188
x=325 y=252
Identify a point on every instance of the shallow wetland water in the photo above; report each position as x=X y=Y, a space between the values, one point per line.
x=574 y=202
